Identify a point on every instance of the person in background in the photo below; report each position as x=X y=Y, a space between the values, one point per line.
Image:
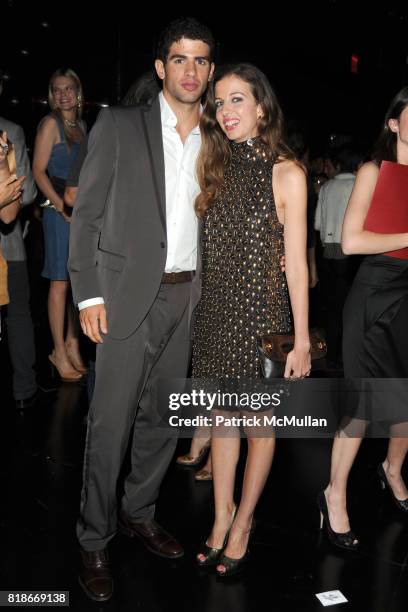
x=20 y=332
x=375 y=330
x=56 y=147
x=336 y=267
x=10 y=194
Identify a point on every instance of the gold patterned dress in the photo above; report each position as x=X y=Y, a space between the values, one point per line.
x=244 y=292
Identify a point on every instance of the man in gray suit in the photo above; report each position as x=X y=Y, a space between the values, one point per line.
x=133 y=256
x=18 y=318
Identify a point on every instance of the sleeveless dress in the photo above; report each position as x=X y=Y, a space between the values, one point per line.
x=375 y=345
x=244 y=292
x=56 y=229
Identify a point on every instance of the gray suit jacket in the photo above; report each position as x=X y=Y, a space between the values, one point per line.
x=10 y=235
x=118 y=244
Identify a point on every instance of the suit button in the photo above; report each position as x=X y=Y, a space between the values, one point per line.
x=162 y=244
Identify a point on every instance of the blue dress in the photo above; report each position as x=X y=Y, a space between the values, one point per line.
x=56 y=229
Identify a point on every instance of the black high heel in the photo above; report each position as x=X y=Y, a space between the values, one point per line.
x=234 y=566
x=401 y=503
x=347 y=540
x=212 y=555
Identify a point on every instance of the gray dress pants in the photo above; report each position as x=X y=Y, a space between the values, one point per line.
x=127 y=373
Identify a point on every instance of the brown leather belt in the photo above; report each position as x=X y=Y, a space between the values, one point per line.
x=177 y=277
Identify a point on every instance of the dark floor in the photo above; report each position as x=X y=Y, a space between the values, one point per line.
x=40 y=479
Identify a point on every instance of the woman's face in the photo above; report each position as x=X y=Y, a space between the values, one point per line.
x=65 y=93
x=236 y=109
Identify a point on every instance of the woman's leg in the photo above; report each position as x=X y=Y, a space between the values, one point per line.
x=200 y=439
x=57 y=297
x=71 y=341
x=257 y=468
x=397 y=451
x=344 y=452
x=199 y=442
x=225 y=455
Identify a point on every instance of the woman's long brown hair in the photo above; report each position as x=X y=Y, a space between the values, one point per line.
x=215 y=150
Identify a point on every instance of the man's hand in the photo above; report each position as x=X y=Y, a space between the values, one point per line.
x=10 y=190
x=93 y=321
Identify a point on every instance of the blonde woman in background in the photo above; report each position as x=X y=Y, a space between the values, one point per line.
x=59 y=136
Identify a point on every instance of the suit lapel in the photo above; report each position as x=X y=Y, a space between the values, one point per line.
x=151 y=119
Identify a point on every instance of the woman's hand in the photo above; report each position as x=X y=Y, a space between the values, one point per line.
x=298 y=363
x=66 y=217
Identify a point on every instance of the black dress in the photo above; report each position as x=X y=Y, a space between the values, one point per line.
x=375 y=338
x=244 y=292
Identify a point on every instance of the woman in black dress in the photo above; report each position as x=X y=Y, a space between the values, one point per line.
x=253 y=208
x=375 y=329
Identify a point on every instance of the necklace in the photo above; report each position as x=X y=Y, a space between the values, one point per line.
x=70 y=124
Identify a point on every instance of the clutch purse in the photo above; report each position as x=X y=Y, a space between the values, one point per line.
x=273 y=351
x=59 y=186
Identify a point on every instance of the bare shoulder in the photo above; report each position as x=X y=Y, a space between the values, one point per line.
x=289 y=169
x=368 y=173
x=289 y=173
x=48 y=126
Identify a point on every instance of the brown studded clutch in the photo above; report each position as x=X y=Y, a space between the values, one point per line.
x=273 y=351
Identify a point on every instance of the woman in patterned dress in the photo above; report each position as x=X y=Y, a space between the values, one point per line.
x=253 y=210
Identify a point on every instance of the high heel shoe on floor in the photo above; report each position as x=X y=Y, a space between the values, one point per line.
x=347 y=540
x=190 y=461
x=234 y=566
x=401 y=503
x=73 y=358
x=70 y=377
x=203 y=475
x=212 y=555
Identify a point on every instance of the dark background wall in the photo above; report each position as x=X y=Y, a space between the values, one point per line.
x=305 y=50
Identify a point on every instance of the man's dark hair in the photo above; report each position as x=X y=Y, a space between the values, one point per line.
x=346 y=158
x=184 y=27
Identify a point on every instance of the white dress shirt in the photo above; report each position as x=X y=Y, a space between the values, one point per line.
x=333 y=199
x=181 y=191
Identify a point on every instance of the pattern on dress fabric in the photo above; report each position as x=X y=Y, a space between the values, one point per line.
x=244 y=291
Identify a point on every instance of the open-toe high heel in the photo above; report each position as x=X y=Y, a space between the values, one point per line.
x=347 y=540
x=402 y=504
x=72 y=376
x=75 y=360
x=190 y=461
x=234 y=566
x=212 y=555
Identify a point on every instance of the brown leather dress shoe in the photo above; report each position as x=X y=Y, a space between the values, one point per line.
x=95 y=576
x=154 y=537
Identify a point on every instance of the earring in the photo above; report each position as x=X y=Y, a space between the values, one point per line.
x=79 y=101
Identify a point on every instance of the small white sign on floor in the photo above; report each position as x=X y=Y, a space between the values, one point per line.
x=331 y=598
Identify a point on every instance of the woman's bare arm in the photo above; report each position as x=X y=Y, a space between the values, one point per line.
x=355 y=239
x=291 y=191
x=47 y=136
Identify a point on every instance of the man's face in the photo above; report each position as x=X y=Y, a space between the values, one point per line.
x=186 y=72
